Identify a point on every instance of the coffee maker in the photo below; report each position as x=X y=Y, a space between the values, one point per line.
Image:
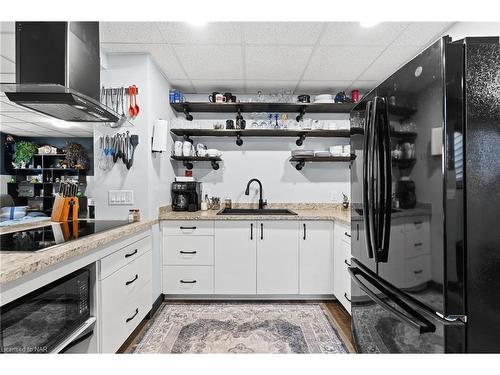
x=186 y=196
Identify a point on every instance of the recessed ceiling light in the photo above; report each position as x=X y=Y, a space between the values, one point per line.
x=369 y=23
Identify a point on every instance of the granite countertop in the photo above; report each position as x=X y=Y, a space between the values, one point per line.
x=14 y=265
x=305 y=211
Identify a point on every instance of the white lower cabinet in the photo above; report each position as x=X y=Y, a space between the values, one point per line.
x=277 y=257
x=125 y=292
x=342 y=257
x=316 y=257
x=235 y=257
x=188 y=279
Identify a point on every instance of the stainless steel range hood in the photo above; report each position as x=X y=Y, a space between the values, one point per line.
x=58 y=71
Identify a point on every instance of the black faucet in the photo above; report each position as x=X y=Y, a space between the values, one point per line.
x=262 y=203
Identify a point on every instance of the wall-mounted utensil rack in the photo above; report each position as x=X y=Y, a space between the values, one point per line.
x=301 y=160
x=301 y=134
x=187 y=161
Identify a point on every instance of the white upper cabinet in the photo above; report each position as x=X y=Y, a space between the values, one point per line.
x=277 y=257
x=235 y=257
x=316 y=257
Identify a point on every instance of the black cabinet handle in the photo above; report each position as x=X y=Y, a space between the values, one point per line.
x=418 y=222
x=251 y=231
x=188 y=281
x=261 y=231
x=357 y=232
x=347 y=298
x=304 y=231
x=131 y=281
x=416 y=272
x=132 y=253
x=187 y=252
x=346 y=262
x=133 y=316
x=347 y=234
x=187 y=228
x=418 y=244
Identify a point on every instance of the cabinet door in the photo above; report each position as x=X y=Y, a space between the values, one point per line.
x=342 y=251
x=235 y=257
x=277 y=257
x=316 y=257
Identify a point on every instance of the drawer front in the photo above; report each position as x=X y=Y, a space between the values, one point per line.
x=188 y=228
x=188 y=251
x=415 y=224
x=417 y=243
x=188 y=280
x=125 y=255
x=118 y=321
x=417 y=271
x=124 y=283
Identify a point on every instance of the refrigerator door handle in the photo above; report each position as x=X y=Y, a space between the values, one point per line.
x=409 y=317
x=386 y=181
x=372 y=204
x=366 y=203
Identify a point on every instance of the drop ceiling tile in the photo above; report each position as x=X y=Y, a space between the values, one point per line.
x=353 y=34
x=364 y=85
x=6 y=108
x=422 y=33
x=392 y=58
x=184 y=86
x=7 y=77
x=29 y=117
x=7 y=27
x=130 y=32
x=8 y=46
x=162 y=54
x=211 y=33
x=268 y=86
x=340 y=63
x=211 y=61
x=8 y=118
x=322 y=87
x=276 y=63
x=7 y=66
x=282 y=32
x=207 y=86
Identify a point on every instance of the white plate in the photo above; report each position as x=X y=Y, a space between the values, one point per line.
x=324 y=101
x=323 y=97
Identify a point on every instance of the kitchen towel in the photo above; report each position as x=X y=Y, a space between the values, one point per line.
x=160 y=136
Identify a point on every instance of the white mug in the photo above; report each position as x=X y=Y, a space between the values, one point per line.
x=187 y=148
x=178 y=148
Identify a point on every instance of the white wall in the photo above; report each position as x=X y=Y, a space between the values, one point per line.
x=150 y=174
x=267 y=160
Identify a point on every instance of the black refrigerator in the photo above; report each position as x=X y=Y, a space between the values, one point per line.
x=425 y=212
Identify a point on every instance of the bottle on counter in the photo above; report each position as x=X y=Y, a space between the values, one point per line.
x=228 y=203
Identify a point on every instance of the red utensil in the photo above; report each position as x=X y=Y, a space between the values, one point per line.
x=131 y=108
x=135 y=101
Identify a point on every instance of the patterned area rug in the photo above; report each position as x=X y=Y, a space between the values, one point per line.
x=240 y=328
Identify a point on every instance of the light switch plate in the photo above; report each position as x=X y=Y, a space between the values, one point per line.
x=120 y=197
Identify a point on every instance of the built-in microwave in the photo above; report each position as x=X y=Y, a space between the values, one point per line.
x=42 y=320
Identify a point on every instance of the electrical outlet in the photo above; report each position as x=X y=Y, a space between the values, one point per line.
x=120 y=197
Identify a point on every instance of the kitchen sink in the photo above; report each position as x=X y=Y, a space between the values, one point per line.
x=256 y=211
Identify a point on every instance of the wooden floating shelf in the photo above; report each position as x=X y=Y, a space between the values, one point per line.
x=193 y=107
x=188 y=160
x=341 y=133
x=301 y=160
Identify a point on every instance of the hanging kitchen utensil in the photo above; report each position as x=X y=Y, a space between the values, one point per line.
x=123 y=117
x=134 y=141
x=131 y=108
x=135 y=101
